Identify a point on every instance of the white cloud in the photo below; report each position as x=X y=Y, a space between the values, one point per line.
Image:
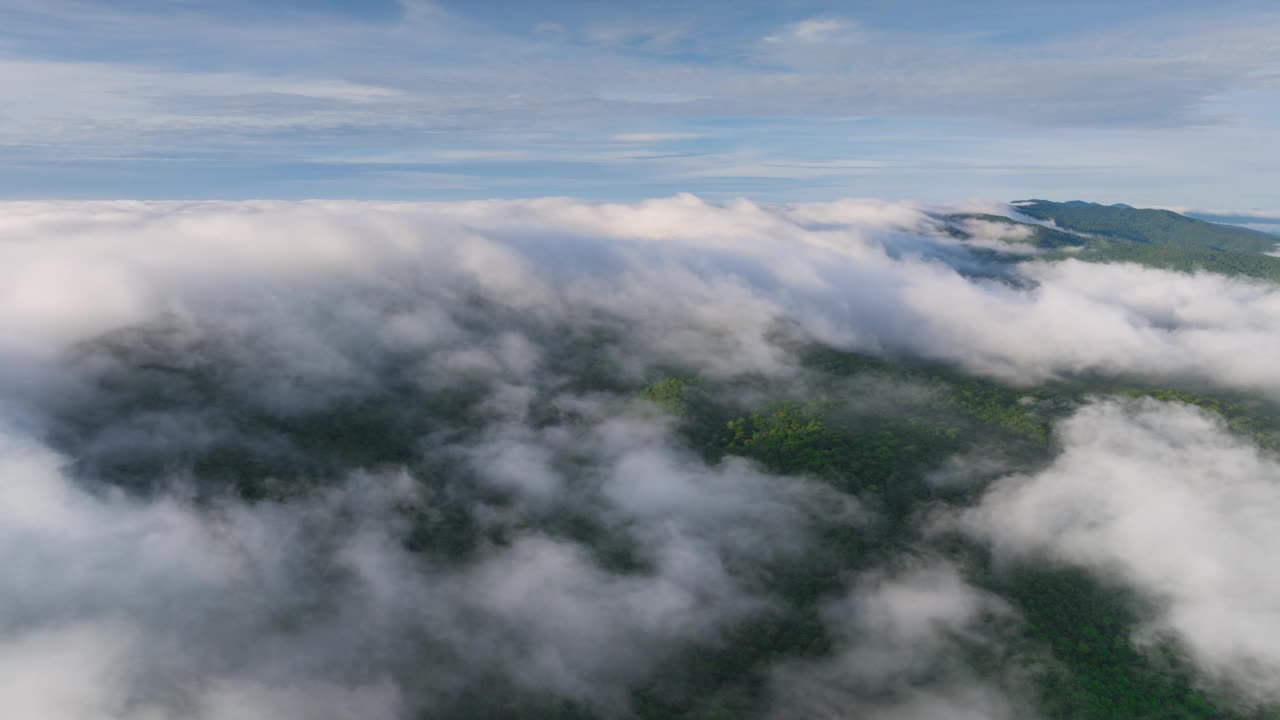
x=814 y=30
x=162 y=607
x=698 y=282
x=647 y=36
x=113 y=596
x=815 y=44
x=654 y=137
x=1163 y=498
x=75 y=102
x=900 y=653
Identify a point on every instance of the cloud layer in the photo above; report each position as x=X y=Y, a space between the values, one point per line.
x=454 y=493
x=694 y=282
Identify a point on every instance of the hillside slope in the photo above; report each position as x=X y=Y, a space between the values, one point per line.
x=1160 y=238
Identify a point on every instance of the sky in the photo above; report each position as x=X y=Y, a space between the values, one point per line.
x=1166 y=103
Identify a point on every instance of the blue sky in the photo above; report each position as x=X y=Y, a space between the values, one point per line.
x=1155 y=103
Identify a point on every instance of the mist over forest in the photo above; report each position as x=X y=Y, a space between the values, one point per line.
x=665 y=459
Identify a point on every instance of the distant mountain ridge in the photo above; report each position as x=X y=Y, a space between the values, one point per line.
x=1158 y=227
x=1121 y=233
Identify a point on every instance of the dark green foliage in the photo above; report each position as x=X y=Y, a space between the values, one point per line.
x=671 y=393
x=787 y=439
x=497 y=698
x=883 y=462
x=1076 y=633
x=730 y=679
x=1095 y=671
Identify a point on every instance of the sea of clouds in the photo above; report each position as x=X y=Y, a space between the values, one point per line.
x=136 y=337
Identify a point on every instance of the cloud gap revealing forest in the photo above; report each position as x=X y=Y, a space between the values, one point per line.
x=668 y=459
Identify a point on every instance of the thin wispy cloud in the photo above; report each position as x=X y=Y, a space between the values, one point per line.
x=654 y=137
x=278 y=91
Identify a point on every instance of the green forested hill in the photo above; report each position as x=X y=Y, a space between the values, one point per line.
x=1154 y=227
x=1160 y=238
